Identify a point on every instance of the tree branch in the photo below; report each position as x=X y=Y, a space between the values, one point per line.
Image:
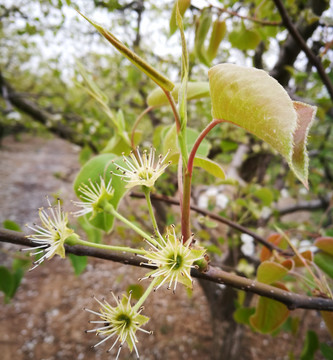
x=213 y=274
x=42 y=116
x=300 y=43
x=218 y=218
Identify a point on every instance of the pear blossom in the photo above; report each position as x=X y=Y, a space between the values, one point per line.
x=173 y=259
x=51 y=234
x=141 y=169
x=120 y=322
x=93 y=196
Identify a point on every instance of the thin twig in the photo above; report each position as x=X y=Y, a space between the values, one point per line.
x=218 y=218
x=213 y=274
x=314 y=60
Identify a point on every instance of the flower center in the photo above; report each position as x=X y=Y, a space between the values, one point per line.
x=146 y=174
x=125 y=319
x=176 y=263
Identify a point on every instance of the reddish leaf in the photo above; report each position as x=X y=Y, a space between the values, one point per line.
x=305 y=255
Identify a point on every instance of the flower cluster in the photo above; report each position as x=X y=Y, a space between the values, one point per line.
x=173 y=259
x=121 y=321
x=142 y=170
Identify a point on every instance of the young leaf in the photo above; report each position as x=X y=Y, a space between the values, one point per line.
x=325 y=262
x=269 y=315
x=141 y=64
x=11 y=225
x=255 y=101
x=328 y=318
x=202 y=29
x=101 y=165
x=195 y=90
x=217 y=35
x=210 y=166
x=311 y=345
x=244 y=39
x=183 y=5
x=79 y=263
x=269 y=272
x=325 y=244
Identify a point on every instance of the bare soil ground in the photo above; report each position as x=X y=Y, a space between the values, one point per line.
x=45 y=320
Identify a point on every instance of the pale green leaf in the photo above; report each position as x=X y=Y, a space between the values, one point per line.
x=210 y=166
x=255 y=101
x=269 y=316
x=325 y=244
x=269 y=272
x=183 y=5
x=141 y=64
x=101 y=165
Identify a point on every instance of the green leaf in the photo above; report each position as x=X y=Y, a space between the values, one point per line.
x=328 y=319
x=217 y=35
x=255 y=101
x=195 y=90
x=210 y=166
x=94 y=235
x=183 y=5
x=325 y=262
x=269 y=272
x=79 y=263
x=137 y=291
x=11 y=225
x=265 y=195
x=311 y=345
x=7 y=282
x=170 y=142
x=242 y=315
x=101 y=165
x=244 y=39
x=17 y=278
x=269 y=316
x=202 y=29
x=141 y=64
x=325 y=244
x=327 y=351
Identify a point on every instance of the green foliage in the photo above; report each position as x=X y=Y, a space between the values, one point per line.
x=11 y=225
x=79 y=263
x=100 y=166
x=311 y=345
x=9 y=281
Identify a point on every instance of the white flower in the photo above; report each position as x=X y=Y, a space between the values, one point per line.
x=52 y=235
x=121 y=321
x=173 y=259
x=142 y=170
x=93 y=197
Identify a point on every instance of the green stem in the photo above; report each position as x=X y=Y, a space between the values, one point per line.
x=174 y=109
x=145 y=295
x=111 y=210
x=109 y=247
x=137 y=121
x=146 y=191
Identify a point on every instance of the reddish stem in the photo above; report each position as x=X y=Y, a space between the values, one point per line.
x=174 y=109
x=186 y=206
x=197 y=143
